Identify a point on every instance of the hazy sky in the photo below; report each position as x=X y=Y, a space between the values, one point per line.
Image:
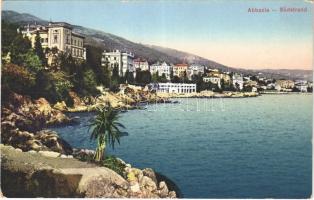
x=223 y=31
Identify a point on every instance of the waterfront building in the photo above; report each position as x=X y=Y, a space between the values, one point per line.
x=162 y=68
x=117 y=58
x=58 y=35
x=195 y=70
x=141 y=64
x=285 y=84
x=213 y=79
x=180 y=70
x=180 y=88
x=302 y=86
x=237 y=79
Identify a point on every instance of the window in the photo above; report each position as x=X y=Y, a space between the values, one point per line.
x=46 y=40
x=41 y=40
x=55 y=39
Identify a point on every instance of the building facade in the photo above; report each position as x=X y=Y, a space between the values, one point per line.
x=180 y=70
x=237 y=80
x=212 y=79
x=195 y=70
x=57 y=35
x=163 y=68
x=122 y=60
x=285 y=84
x=141 y=64
x=180 y=88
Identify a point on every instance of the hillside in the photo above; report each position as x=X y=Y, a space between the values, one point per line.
x=107 y=41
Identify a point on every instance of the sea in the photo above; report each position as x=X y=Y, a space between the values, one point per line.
x=218 y=148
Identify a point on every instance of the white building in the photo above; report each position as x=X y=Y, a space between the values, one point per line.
x=237 y=79
x=141 y=64
x=195 y=70
x=212 y=79
x=123 y=60
x=58 y=35
x=301 y=86
x=163 y=68
x=179 y=88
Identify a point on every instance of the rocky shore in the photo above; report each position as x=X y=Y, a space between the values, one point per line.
x=51 y=174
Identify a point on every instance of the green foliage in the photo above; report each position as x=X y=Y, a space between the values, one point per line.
x=105 y=129
x=8 y=34
x=32 y=62
x=39 y=50
x=143 y=77
x=89 y=83
x=162 y=78
x=109 y=161
x=93 y=61
x=114 y=164
x=17 y=79
x=129 y=77
x=115 y=79
x=62 y=86
x=155 y=77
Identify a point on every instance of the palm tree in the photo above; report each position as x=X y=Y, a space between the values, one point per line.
x=105 y=129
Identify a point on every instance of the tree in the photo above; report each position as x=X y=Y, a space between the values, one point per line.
x=129 y=77
x=163 y=78
x=106 y=130
x=32 y=62
x=222 y=84
x=155 y=77
x=237 y=86
x=39 y=50
x=175 y=79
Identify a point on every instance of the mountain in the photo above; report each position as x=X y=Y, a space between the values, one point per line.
x=152 y=53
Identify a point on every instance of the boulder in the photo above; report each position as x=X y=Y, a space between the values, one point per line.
x=163 y=189
x=148 y=184
x=34 y=175
x=150 y=173
x=61 y=106
x=49 y=154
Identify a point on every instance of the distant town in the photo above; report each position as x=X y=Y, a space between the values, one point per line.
x=163 y=77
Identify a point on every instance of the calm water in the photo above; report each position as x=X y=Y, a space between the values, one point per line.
x=220 y=148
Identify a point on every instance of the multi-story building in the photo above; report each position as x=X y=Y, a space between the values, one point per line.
x=285 y=84
x=141 y=64
x=195 y=70
x=179 y=88
x=122 y=60
x=58 y=35
x=163 y=68
x=237 y=81
x=213 y=79
x=180 y=70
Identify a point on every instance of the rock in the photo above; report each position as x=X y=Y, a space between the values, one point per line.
x=19 y=150
x=52 y=141
x=69 y=156
x=63 y=156
x=172 y=194
x=163 y=189
x=55 y=177
x=32 y=151
x=150 y=173
x=43 y=106
x=61 y=106
x=135 y=188
x=49 y=154
x=148 y=184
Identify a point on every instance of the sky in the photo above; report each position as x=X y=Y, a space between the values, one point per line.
x=220 y=30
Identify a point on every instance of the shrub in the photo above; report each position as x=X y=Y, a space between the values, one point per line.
x=17 y=79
